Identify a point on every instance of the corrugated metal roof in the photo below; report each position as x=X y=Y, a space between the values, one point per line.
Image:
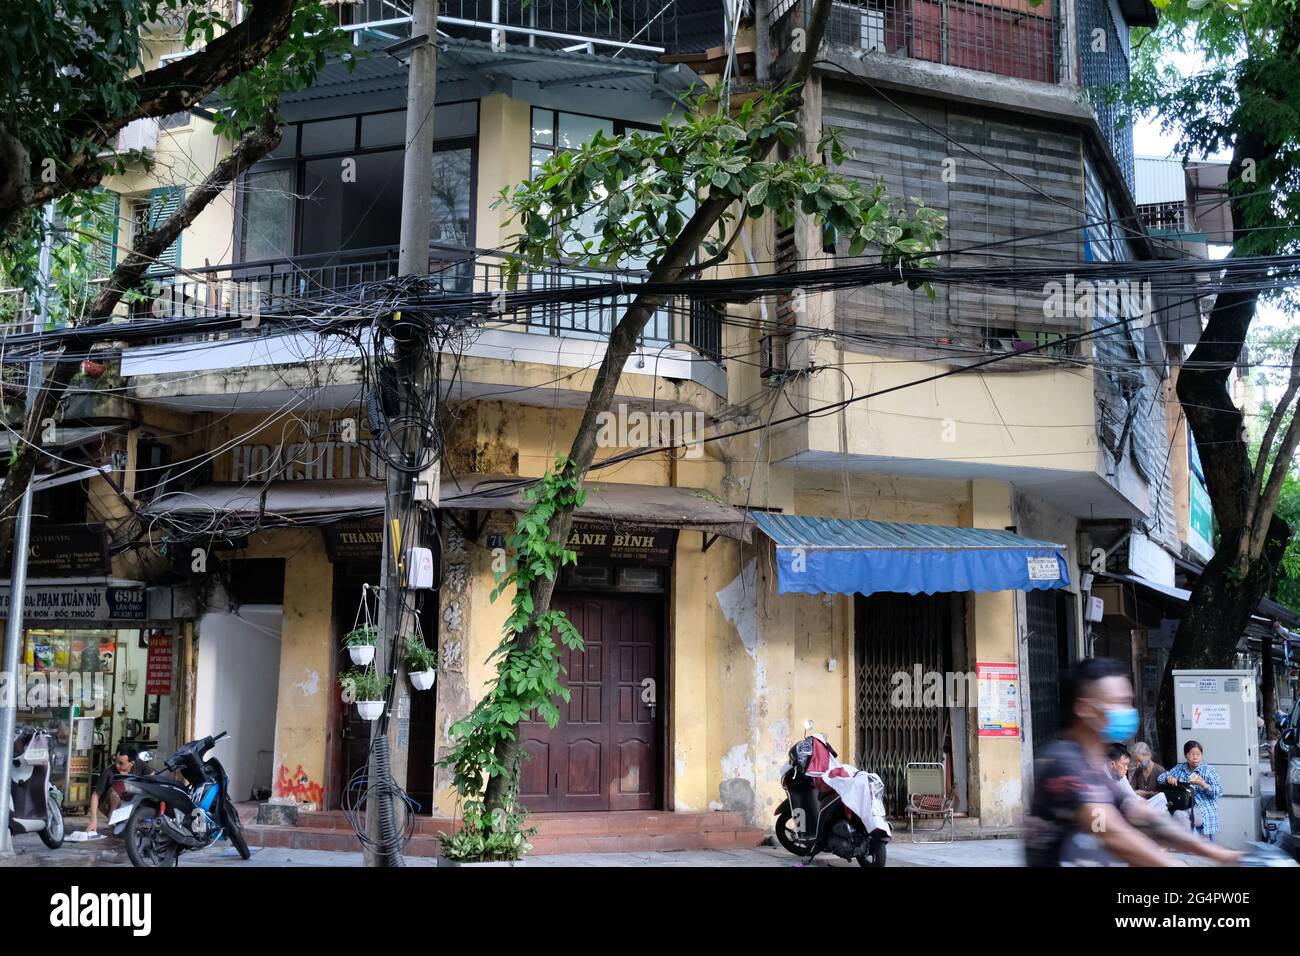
x=1158 y=180
x=808 y=531
x=475 y=62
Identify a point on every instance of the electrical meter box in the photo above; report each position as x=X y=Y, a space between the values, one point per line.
x=1217 y=709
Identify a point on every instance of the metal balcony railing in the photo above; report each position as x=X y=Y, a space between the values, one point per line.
x=1164 y=216
x=1004 y=37
x=323 y=284
x=638 y=27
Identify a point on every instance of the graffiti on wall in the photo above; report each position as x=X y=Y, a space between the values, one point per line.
x=299 y=786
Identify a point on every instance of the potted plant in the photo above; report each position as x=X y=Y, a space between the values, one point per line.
x=421 y=663
x=366 y=690
x=360 y=642
x=496 y=839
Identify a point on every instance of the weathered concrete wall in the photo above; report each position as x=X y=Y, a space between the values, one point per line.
x=306 y=687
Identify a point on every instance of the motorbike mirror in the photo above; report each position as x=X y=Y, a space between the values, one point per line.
x=144 y=756
x=808 y=726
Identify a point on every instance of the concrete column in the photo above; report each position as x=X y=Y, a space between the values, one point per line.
x=504 y=126
x=993 y=637
x=687 y=693
x=306 y=685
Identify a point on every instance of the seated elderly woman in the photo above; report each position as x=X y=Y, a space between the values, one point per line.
x=1206 y=788
x=1144 y=772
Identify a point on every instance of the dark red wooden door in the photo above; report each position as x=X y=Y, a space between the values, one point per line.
x=604 y=752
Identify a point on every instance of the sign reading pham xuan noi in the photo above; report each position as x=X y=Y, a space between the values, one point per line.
x=596 y=543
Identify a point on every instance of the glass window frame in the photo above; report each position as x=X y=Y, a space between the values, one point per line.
x=298 y=163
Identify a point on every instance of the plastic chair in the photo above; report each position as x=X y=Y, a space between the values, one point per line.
x=928 y=799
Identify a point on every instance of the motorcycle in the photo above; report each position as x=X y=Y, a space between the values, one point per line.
x=164 y=816
x=814 y=816
x=36 y=803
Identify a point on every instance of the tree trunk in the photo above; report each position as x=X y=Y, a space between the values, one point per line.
x=622 y=343
x=1216 y=615
x=1239 y=575
x=144 y=252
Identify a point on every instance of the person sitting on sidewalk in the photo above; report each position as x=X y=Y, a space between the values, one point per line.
x=1206 y=788
x=110 y=791
x=1142 y=777
x=1078 y=815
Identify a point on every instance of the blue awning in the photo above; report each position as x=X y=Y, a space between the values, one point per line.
x=833 y=556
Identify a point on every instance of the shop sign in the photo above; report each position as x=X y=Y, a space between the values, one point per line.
x=65 y=551
x=596 y=544
x=342 y=449
x=355 y=541
x=1200 y=518
x=158 y=673
x=79 y=602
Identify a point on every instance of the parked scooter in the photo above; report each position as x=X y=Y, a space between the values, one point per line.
x=815 y=816
x=164 y=816
x=37 y=804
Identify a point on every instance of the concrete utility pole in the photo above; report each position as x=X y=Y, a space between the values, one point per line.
x=400 y=510
x=9 y=689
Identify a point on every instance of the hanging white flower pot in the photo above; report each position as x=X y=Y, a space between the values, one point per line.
x=361 y=654
x=423 y=680
x=370 y=709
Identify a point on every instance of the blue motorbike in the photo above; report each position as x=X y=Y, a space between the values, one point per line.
x=165 y=816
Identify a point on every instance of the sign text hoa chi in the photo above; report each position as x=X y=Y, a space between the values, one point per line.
x=632 y=428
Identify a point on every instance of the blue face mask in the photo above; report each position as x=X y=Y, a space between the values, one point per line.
x=1121 y=725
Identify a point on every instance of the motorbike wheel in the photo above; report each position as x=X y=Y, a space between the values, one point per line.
x=146 y=845
x=235 y=828
x=52 y=835
x=788 y=838
x=875 y=856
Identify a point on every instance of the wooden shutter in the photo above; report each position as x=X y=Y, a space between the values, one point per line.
x=103 y=258
x=162 y=203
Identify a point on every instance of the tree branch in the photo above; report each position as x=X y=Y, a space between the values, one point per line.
x=176 y=86
x=144 y=252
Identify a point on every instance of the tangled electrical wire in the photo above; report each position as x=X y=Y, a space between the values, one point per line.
x=391 y=802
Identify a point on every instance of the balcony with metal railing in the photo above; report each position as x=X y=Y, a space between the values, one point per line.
x=354 y=280
x=1003 y=37
x=637 y=28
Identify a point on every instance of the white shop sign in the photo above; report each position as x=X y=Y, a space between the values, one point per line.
x=80 y=602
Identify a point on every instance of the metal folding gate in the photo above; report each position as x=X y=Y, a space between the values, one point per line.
x=893 y=634
x=1043 y=613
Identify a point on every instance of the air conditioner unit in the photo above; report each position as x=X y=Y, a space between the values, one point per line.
x=140 y=135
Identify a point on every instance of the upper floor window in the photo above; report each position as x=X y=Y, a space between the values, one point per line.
x=335 y=185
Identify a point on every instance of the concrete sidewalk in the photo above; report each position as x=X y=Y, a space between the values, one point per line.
x=109 y=853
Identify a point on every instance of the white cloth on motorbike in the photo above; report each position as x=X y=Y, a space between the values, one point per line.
x=861 y=791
